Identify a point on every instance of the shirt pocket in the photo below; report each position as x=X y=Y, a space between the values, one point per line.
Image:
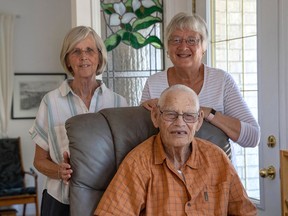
x=214 y=199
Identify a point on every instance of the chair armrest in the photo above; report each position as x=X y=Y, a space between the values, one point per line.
x=34 y=175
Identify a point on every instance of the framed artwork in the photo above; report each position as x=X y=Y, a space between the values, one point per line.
x=29 y=89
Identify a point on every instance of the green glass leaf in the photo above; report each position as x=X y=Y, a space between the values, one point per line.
x=145 y=22
x=127 y=26
x=157 y=3
x=129 y=9
x=112 y=41
x=120 y=32
x=137 y=40
x=155 y=41
x=107 y=8
x=130 y=39
x=144 y=12
x=126 y=38
x=128 y=4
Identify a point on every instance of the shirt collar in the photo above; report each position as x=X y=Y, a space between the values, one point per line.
x=160 y=155
x=65 y=87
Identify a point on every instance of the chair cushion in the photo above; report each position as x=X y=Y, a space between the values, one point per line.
x=17 y=191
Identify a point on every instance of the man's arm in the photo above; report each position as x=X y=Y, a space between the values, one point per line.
x=239 y=202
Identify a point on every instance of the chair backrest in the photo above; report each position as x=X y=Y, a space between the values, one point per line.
x=12 y=177
x=98 y=142
x=11 y=169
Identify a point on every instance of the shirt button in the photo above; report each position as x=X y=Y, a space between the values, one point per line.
x=189 y=204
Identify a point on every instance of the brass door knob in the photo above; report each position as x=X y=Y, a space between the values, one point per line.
x=270 y=172
x=271 y=142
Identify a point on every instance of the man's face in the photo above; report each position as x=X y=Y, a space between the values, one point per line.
x=177 y=132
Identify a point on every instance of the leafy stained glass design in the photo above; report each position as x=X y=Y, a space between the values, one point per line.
x=127 y=19
x=133 y=34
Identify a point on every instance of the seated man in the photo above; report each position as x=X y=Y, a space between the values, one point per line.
x=175 y=173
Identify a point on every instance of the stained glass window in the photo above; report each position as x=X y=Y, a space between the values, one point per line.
x=133 y=35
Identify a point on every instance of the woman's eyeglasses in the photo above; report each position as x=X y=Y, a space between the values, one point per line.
x=79 y=52
x=190 y=41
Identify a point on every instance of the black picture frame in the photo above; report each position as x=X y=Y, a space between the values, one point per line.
x=29 y=89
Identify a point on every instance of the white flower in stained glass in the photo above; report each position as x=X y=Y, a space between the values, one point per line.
x=136 y=4
x=120 y=16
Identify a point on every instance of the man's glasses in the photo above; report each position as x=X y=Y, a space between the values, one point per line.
x=190 y=41
x=79 y=52
x=171 y=116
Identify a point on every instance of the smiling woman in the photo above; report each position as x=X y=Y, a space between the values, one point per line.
x=220 y=98
x=84 y=56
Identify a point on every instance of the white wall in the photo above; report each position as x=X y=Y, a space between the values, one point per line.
x=39 y=31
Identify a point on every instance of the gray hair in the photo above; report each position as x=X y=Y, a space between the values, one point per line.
x=178 y=88
x=74 y=36
x=187 y=21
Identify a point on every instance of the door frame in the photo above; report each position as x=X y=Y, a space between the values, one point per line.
x=268 y=102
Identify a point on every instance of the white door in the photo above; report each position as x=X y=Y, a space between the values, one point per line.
x=272 y=48
x=271 y=96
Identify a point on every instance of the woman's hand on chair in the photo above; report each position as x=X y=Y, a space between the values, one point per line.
x=149 y=104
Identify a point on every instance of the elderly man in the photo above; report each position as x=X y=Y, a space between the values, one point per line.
x=175 y=173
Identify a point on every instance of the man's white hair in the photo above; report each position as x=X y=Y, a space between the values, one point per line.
x=179 y=88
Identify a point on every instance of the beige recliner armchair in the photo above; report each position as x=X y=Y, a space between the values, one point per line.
x=98 y=142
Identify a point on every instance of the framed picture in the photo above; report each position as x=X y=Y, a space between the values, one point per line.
x=29 y=89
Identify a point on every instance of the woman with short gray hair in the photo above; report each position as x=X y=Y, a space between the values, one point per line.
x=186 y=41
x=83 y=56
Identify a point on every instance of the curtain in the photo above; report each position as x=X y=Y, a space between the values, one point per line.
x=6 y=70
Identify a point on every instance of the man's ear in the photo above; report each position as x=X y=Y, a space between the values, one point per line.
x=154 y=116
x=200 y=120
